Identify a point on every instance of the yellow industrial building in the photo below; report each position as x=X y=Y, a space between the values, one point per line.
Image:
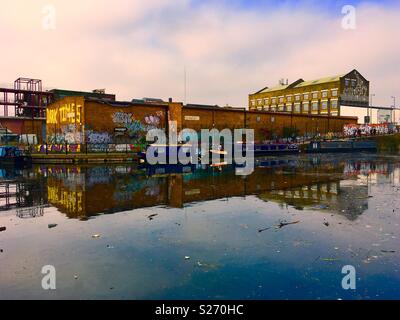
x=324 y=96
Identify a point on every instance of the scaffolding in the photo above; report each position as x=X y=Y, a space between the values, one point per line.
x=26 y=100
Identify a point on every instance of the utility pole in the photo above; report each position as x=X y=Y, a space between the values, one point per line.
x=371 y=105
x=185 y=89
x=394 y=109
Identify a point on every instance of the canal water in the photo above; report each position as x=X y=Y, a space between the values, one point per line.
x=123 y=232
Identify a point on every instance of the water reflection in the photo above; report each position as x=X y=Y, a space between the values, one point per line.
x=337 y=184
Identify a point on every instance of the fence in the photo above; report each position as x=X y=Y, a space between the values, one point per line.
x=88 y=148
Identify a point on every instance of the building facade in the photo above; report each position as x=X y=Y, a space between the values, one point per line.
x=80 y=120
x=323 y=97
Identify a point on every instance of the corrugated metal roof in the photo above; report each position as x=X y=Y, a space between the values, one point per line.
x=319 y=81
x=279 y=87
x=303 y=84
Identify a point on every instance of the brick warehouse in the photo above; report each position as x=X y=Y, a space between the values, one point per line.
x=80 y=120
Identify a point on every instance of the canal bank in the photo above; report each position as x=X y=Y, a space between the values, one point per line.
x=95 y=158
x=388 y=144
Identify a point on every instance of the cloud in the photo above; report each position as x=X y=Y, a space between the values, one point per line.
x=140 y=48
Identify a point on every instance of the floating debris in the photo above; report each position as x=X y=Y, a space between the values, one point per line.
x=265 y=229
x=388 y=251
x=96 y=236
x=326 y=223
x=3 y=229
x=152 y=216
x=330 y=259
x=284 y=224
x=1 y=251
x=187 y=258
x=52 y=225
x=319 y=207
x=75 y=277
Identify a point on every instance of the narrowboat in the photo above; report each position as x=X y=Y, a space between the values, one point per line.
x=342 y=146
x=12 y=156
x=273 y=149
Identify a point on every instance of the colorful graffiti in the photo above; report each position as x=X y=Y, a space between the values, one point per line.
x=59 y=148
x=67 y=114
x=98 y=137
x=366 y=129
x=122 y=118
x=135 y=129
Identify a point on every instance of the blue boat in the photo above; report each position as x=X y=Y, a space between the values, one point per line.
x=342 y=146
x=12 y=156
x=273 y=149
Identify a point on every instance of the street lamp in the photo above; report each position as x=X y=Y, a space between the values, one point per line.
x=394 y=109
x=372 y=95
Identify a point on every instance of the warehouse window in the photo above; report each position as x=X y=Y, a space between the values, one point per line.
x=334 y=104
x=289 y=98
x=289 y=107
x=297 y=98
x=315 y=95
x=306 y=107
x=324 y=107
x=266 y=101
x=297 y=107
x=324 y=94
x=281 y=99
x=273 y=100
x=259 y=101
x=334 y=93
x=314 y=107
x=306 y=96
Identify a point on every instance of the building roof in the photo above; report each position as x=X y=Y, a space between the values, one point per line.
x=61 y=93
x=301 y=83
x=320 y=81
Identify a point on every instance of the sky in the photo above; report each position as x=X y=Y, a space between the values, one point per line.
x=137 y=48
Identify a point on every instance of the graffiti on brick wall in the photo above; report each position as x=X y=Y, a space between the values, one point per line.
x=69 y=134
x=98 y=137
x=59 y=148
x=365 y=129
x=122 y=118
x=136 y=129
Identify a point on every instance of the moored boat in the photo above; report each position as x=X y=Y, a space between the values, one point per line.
x=342 y=146
x=12 y=156
x=261 y=149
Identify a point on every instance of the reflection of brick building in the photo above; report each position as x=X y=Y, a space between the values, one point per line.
x=317 y=97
